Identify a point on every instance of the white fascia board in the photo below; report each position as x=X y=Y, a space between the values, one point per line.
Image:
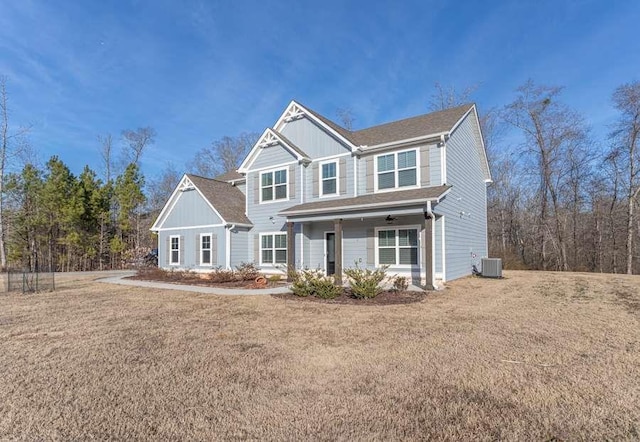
x=401 y=143
x=245 y=166
x=484 y=158
x=358 y=207
x=157 y=224
x=400 y=211
x=250 y=156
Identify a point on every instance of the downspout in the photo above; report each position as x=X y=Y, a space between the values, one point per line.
x=443 y=158
x=228 y=246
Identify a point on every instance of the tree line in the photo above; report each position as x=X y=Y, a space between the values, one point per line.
x=560 y=198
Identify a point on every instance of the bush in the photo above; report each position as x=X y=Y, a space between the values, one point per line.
x=247 y=271
x=314 y=283
x=222 y=275
x=400 y=283
x=365 y=283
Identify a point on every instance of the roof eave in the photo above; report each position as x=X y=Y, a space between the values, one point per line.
x=398 y=143
x=364 y=206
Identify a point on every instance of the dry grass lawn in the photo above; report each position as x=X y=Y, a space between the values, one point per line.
x=531 y=357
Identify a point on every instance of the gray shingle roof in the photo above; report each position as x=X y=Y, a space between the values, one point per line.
x=365 y=202
x=228 y=200
x=427 y=124
x=232 y=175
x=421 y=125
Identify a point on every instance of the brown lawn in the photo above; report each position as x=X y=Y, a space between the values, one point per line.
x=533 y=356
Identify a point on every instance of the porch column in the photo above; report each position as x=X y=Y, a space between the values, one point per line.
x=428 y=251
x=337 y=227
x=291 y=251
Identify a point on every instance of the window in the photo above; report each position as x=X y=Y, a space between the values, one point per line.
x=273 y=185
x=398 y=169
x=273 y=248
x=205 y=249
x=174 y=252
x=329 y=178
x=398 y=247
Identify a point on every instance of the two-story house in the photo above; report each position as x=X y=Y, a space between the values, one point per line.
x=409 y=194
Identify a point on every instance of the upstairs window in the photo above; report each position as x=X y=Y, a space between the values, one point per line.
x=273 y=185
x=329 y=178
x=273 y=248
x=397 y=169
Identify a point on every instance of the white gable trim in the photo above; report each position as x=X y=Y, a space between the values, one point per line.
x=268 y=138
x=295 y=111
x=185 y=184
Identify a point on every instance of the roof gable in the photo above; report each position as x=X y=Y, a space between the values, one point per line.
x=271 y=137
x=224 y=199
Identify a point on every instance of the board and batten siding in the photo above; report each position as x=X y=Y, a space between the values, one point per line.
x=190 y=247
x=190 y=209
x=313 y=140
x=465 y=207
x=272 y=156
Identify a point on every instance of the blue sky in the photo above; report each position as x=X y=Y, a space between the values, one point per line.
x=199 y=70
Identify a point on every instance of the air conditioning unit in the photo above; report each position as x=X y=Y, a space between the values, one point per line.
x=492 y=267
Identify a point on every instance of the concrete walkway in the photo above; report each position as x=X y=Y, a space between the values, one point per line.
x=190 y=288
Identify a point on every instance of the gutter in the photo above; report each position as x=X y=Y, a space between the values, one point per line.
x=376 y=147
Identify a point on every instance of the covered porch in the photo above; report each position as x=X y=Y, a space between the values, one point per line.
x=334 y=235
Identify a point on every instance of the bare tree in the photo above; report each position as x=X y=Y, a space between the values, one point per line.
x=626 y=137
x=7 y=140
x=223 y=155
x=137 y=140
x=106 y=153
x=446 y=97
x=346 y=117
x=555 y=137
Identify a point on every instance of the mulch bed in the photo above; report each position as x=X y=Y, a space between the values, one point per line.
x=388 y=297
x=207 y=283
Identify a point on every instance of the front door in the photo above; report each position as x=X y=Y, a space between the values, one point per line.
x=330 y=247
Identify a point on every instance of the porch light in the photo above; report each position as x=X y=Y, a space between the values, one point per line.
x=390 y=219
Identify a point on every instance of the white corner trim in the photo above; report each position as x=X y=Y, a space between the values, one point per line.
x=227 y=247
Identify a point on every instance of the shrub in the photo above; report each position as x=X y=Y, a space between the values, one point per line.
x=365 y=283
x=222 y=275
x=400 y=283
x=274 y=278
x=247 y=271
x=314 y=283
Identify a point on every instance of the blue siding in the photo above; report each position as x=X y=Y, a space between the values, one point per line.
x=313 y=140
x=189 y=249
x=240 y=247
x=190 y=209
x=272 y=156
x=435 y=162
x=465 y=207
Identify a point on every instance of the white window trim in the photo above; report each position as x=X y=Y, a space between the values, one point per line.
x=395 y=154
x=337 y=178
x=171 y=262
x=202 y=263
x=271 y=264
x=397 y=247
x=273 y=171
